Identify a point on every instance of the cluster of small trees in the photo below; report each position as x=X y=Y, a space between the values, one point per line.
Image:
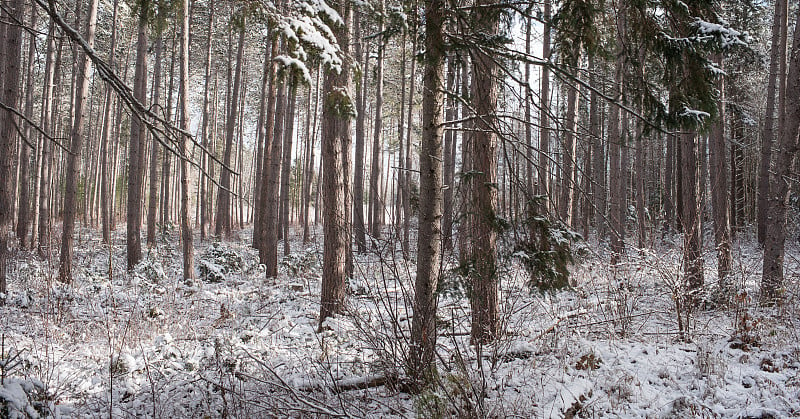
x=654 y=103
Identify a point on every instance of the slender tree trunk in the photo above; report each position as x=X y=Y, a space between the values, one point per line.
x=204 y=159
x=10 y=95
x=76 y=143
x=136 y=146
x=691 y=216
x=358 y=175
x=337 y=114
x=375 y=200
x=719 y=189
x=485 y=323
x=449 y=159
x=152 y=205
x=617 y=181
x=23 y=214
x=286 y=169
x=543 y=175
x=223 y=225
x=568 y=162
x=310 y=166
x=422 y=356
x=186 y=227
x=772 y=276
x=777 y=77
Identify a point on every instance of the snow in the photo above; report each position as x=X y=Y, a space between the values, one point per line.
x=145 y=345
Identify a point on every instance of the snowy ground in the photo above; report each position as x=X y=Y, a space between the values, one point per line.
x=149 y=345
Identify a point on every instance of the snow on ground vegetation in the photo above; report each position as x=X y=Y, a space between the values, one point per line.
x=234 y=344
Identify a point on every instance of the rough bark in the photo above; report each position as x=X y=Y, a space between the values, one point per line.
x=375 y=199
x=422 y=354
x=777 y=76
x=136 y=146
x=358 y=175
x=485 y=322
x=223 y=226
x=337 y=113
x=152 y=204
x=186 y=227
x=772 y=275
x=73 y=160
x=719 y=189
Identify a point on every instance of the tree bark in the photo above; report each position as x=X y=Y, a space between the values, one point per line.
x=223 y=226
x=772 y=276
x=719 y=189
x=777 y=76
x=422 y=352
x=485 y=322
x=152 y=204
x=376 y=172
x=136 y=146
x=186 y=227
x=337 y=113
x=358 y=174
x=76 y=143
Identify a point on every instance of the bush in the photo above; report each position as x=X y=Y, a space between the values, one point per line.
x=217 y=262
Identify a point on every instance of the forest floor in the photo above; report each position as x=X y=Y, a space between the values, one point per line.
x=234 y=344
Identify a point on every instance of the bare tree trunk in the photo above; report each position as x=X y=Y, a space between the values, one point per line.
x=223 y=225
x=268 y=250
x=152 y=204
x=691 y=217
x=358 y=175
x=599 y=189
x=10 y=94
x=776 y=82
x=719 y=189
x=772 y=276
x=286 y=169
x=23 y=214
x=617 y=181
x=543 y=175
x=186 y=227
x=310 y=166
x=568 y=162
x=76 y=142
x=136 y=146
x=449 y=159
x=204 y=160
x=375 y=200
x=422 y=352
x=337 y=114
x=409 y=165
x=485 y=323
x=105 y=179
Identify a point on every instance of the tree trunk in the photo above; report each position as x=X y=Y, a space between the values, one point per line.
x=719 y=189
x=375 y=200
x=485 y=322
x=772 y=277
x=205 y=162
x=568 y=161
x=777 y=76
x=136 y=146
x=223 y=225
x=422 y=356
x=23 y=214
x=10 y=95
x=358 y=175
x=691 y=216
x=337 y=114
x=617 y=182
x=76 y=142
x=543 y=175
x=186 y=227
x=152 y=204
x=286 y=169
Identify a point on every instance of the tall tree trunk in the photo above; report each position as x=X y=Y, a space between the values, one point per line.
x=375 y=200
x=136 y=145
x=485 y=322
x=24 y=212
x=599 y=189
x=49 y=113
x=310 y=166
x=337 y=114
x=186 y=227
x=543 y=175
x=772 y=276
x=568 y=161
x=223 y=225
x=422 y=356
x=719 y=189
x=204 y=159
x=152 y=204
x=617 y=182
x=105 y=179
x=361 y=100
x=286 y=169
x=448 y=171
x=408 y=166
x=691 y=217
x=777 y=78
x=12 y=46
x=76 y=143
x=268 y=250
